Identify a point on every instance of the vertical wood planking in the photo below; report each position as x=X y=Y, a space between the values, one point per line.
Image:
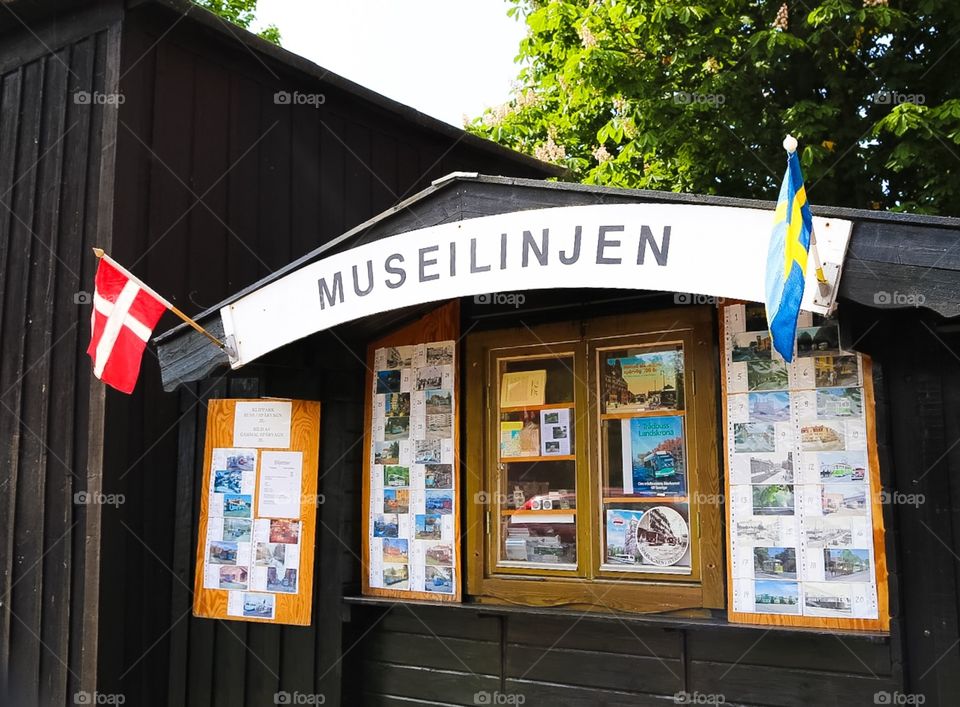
x=51 y=159
x=922 y=454
x=358 y=184
x=66 y=391
x=201 y=656
x=205 y=264
x=174 y=164
x=272 y=249
x=49 y=462
x=305 y=180
x=332 y=176
x=9 y=128
x=23 y=600
x=383 y=162
x=243 y=128
x=90 y=415
x=181 y=600
x=99 y=225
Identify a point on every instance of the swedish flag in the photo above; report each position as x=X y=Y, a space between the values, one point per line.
x=787 y=257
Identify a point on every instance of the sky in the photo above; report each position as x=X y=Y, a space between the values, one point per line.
x=446 y=58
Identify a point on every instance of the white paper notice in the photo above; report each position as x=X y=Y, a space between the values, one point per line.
x=262 y=423
x=279 y=495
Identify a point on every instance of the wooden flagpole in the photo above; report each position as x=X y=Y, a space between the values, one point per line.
x=101 y=254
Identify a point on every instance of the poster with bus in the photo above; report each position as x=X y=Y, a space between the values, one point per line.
x=653 y=456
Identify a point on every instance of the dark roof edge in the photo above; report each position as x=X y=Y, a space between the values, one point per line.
x=712 y=200
x=645 y=195
x=304 y=65
x=314 y=254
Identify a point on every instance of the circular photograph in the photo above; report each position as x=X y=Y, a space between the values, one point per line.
x=662 y=536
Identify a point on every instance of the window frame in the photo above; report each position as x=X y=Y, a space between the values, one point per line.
x=590 y=587
x=492 y=536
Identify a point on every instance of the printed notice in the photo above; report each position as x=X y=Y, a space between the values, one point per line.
x=279 y=494
x=262 y=423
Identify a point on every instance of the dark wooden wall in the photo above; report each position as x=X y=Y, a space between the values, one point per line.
x=409 y=655
x=920 y=435
x=234 y=663
x=217 y=186
x=56 y=154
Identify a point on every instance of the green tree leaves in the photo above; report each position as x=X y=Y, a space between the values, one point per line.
x=668 y=94
x=241 y=13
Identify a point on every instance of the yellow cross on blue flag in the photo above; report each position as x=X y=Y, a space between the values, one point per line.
x=787 y=257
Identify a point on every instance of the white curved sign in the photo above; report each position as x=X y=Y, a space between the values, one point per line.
x=715 y=251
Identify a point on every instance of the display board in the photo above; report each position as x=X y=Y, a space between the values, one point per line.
x=805 y=527
x=411 y=530
x=258 y=511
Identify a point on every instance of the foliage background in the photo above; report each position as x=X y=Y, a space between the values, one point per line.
x=667 y=94
x=241 y=13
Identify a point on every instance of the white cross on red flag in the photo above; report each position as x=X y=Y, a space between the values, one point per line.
x=125 y=311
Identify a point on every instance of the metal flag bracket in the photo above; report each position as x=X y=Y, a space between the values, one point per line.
x=828 y=249
x=230 y=347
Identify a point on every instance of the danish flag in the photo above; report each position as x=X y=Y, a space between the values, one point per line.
x=125 y=311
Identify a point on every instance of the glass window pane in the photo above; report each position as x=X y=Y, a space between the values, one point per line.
x=645 y=517
x=536 y=475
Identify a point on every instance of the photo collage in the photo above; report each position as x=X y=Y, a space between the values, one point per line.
x=412 y=483
x=801 y=531
x=248 y=553
x=646 y=500
x=536 y=433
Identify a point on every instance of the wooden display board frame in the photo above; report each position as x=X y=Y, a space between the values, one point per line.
x=442 y=324
x=294 y=609
x=882 y=622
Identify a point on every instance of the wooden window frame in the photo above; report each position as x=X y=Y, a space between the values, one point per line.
x=590 y=587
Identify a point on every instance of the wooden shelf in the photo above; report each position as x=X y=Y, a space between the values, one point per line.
x=524 y=408
x=552 y=458
x=644 y=413
x=645 y=499
x=551 y=512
